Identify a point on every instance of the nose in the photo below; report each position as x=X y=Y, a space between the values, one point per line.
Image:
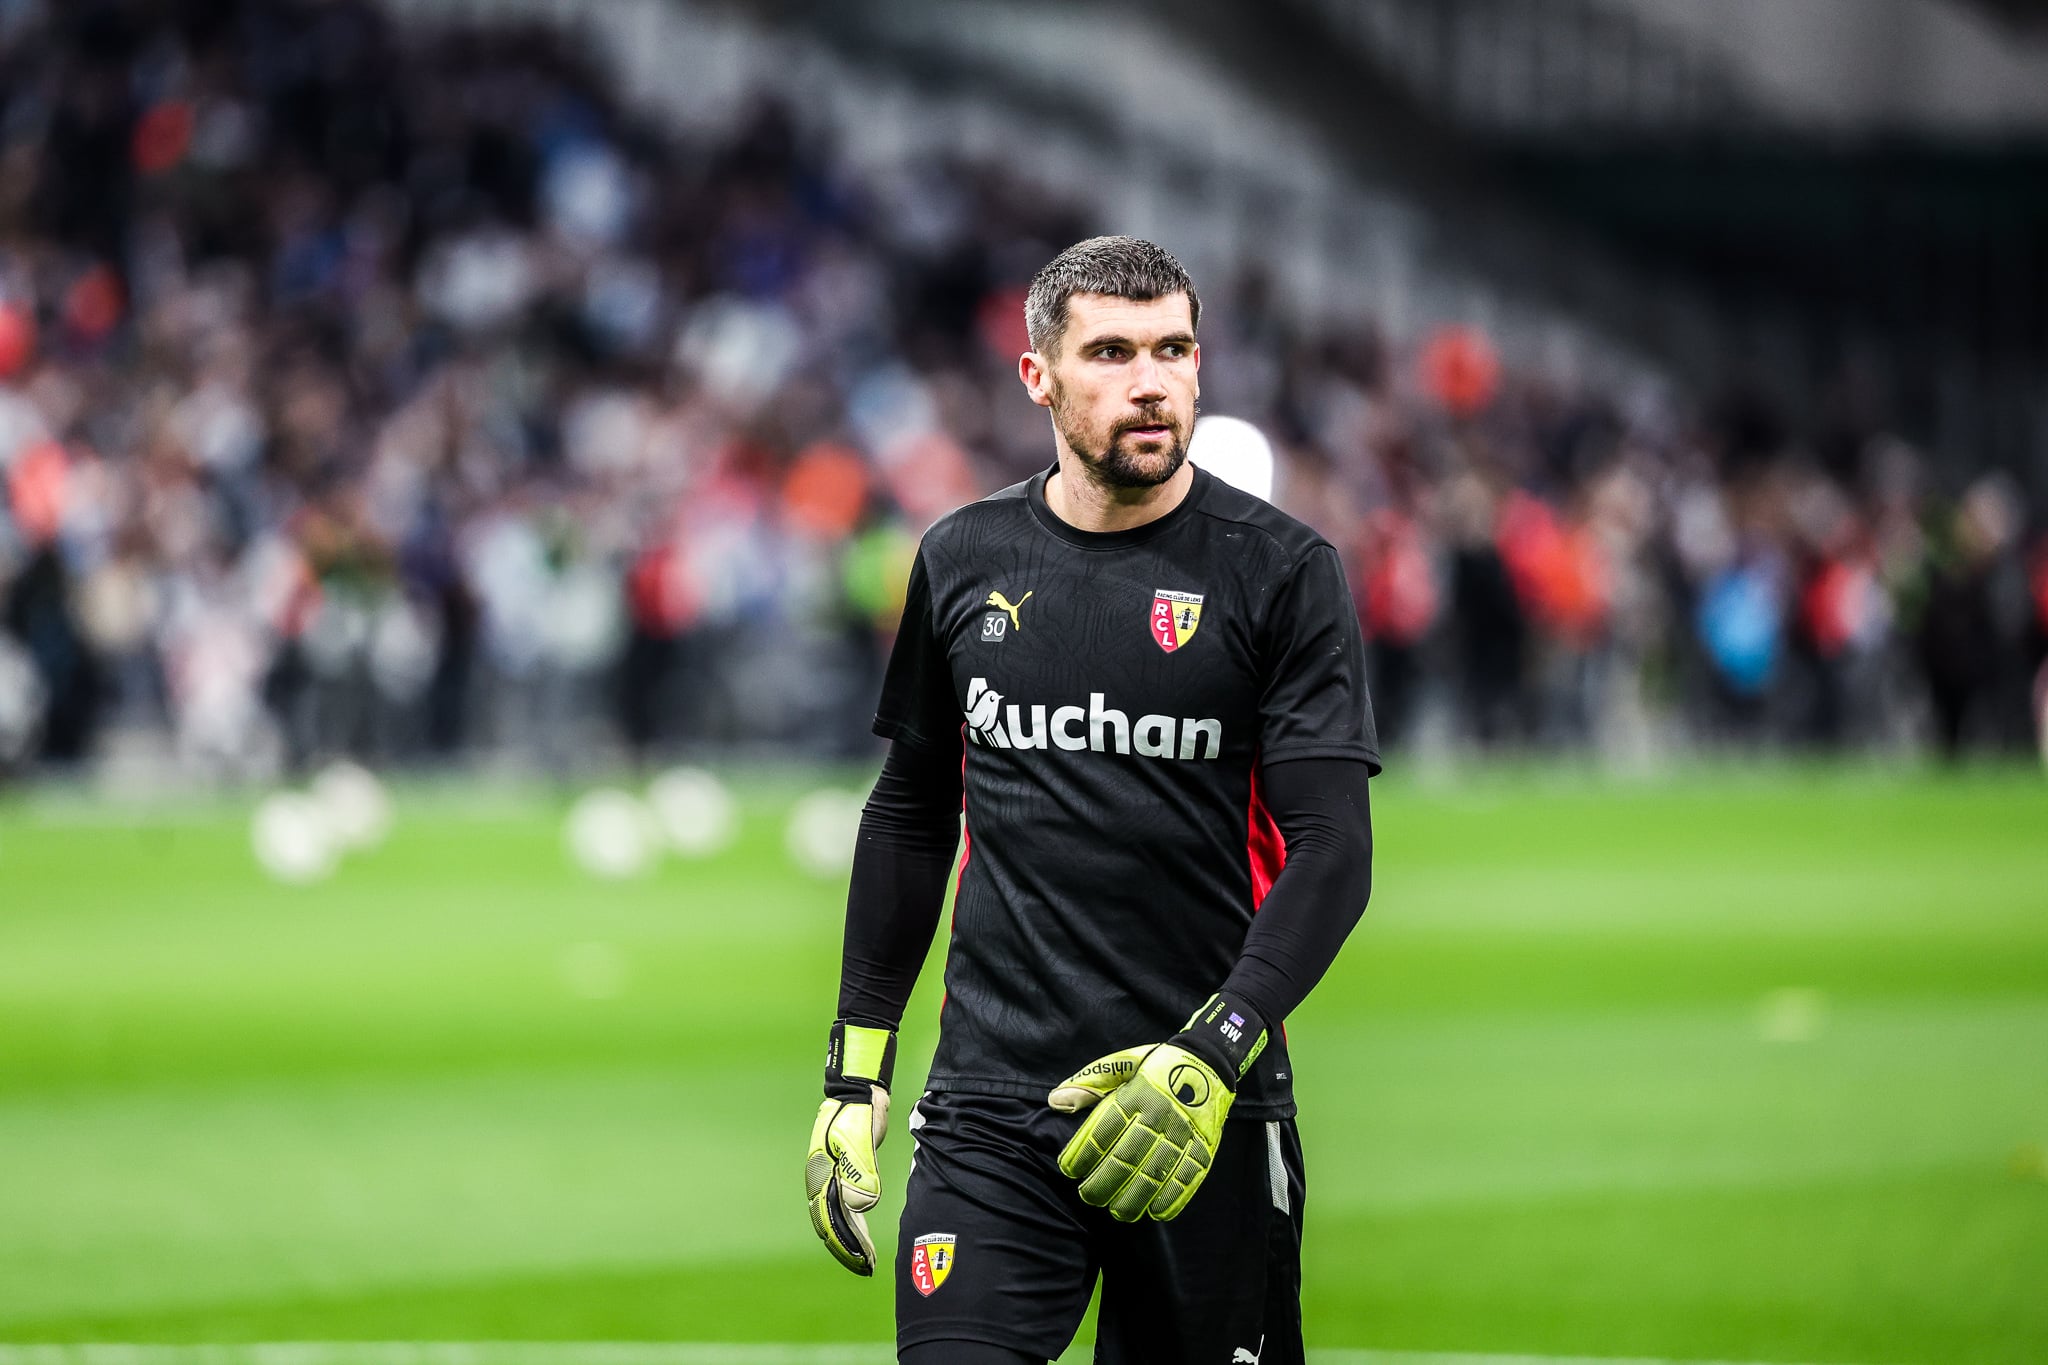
x=1148 y=380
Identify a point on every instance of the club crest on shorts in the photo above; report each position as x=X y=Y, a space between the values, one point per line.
x=931 y=1260
x=1175 y=615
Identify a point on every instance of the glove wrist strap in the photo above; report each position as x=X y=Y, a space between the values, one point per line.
x=858 y=1057
x=1226 y=1033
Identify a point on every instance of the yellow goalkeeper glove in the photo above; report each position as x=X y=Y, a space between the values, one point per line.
x=840 y=1176
x=1159 y=1112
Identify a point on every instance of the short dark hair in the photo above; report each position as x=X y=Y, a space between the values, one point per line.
x=1121 y=267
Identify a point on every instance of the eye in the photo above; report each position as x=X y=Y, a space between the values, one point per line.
x=1173 y=350
x=1110 y=353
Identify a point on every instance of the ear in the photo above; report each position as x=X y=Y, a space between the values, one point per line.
x=1036 y=372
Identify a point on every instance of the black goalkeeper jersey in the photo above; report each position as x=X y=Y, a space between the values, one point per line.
x=1114 y=695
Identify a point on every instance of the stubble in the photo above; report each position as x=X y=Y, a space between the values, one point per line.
x=1115 y=463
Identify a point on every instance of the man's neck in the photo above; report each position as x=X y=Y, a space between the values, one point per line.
x=1087 y=505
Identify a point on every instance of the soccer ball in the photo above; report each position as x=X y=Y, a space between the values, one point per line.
x=357 y=810
x=610 y=834
x=292 y=839
x=695 y=812
x=822 y=829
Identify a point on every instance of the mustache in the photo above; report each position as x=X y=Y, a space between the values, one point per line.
x=1150 y=417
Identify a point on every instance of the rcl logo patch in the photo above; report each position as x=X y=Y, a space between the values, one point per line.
x=931 y=1260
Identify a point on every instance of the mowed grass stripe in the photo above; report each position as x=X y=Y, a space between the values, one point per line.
x=629 y=1353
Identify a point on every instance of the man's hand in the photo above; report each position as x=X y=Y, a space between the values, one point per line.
x=1159 y=1112
x=840 y=1176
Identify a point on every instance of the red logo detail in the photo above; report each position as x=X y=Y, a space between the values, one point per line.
x=1162 y=625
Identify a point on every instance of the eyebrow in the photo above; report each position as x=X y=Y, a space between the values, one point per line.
x=1170 y=339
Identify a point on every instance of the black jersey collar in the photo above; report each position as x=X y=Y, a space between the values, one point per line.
x=1111 y=540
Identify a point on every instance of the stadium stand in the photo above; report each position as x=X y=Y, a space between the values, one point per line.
x=400 y=389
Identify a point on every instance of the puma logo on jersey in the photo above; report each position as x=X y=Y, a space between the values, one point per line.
x=1096 y=726
x=996 y=599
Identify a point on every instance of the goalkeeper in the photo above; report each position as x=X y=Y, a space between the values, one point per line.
x=1148 y=690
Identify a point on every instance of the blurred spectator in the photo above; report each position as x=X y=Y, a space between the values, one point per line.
x=1970 y=630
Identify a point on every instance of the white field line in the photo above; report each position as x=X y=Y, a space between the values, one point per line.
x=628 y=1353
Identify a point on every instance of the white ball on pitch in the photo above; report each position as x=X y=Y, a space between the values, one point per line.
x=292 y=839
x=696 y=813
x=1234 y=451
x=823 y=826
x=358 y=809
x=611 y=834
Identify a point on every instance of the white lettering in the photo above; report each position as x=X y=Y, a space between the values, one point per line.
x=1034 y=738
x=1097 y=726
x=1154 y=736
x=1099 y=718
x=1212 y=729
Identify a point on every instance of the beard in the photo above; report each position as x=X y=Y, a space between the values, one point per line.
x=1115 y=463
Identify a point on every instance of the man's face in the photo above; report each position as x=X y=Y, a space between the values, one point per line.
x=1123 y=387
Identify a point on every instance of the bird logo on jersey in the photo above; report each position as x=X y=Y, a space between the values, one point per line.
x=931 y=1260
x=1175 y=615
x=984 y=715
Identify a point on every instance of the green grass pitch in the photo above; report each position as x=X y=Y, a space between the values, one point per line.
x=1745 y=1066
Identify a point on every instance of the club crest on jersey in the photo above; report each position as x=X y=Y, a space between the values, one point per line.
x=931 y=1260
x=1175 y=616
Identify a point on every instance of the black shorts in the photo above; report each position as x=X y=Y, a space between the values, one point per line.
x=997 y=1246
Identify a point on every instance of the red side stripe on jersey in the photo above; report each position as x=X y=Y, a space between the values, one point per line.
x=1265 y=847
x=966 y=852
x=966 y=830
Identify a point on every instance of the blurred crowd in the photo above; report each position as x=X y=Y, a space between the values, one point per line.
x=401 y=395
